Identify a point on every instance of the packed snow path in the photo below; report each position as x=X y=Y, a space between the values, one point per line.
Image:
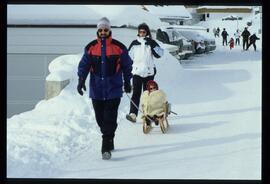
x=216 y=134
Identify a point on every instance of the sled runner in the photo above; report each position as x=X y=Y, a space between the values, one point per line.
x=159 y=119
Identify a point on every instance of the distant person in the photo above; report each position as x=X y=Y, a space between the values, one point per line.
x=162 y=36
x=108 y=63
x=215 y=31
x=231 y=43
x=252 y=41
x=218 y=31
x=245 y=34
x=237 y=36
x=224 y=35
x=142 y=51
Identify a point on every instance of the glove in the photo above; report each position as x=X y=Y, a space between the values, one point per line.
x=81 y=86
x=127 y=87
x=149 y=41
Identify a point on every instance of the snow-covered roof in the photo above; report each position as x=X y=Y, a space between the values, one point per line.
x=224 y=7
x=187 y=27
x=178 y=12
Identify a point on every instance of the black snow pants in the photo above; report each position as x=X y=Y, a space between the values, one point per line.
x=254 y=45
x=138 y=83
x=224 y=41
x=106 y=116
x=245 y=43
x=237 y=41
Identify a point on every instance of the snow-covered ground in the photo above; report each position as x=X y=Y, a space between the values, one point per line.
x=216 y=134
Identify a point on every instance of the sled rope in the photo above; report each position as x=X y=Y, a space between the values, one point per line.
x=137 y=107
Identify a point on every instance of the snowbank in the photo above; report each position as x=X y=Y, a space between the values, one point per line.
x=63 y=67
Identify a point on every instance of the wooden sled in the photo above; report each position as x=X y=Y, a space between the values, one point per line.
x=160 y=120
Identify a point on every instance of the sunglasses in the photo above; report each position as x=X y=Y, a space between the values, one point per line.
x=142 y=32
x=104 y=30
x=151 y=88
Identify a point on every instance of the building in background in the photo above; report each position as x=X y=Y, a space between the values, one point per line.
x=221 y=12
x=196 y=17
x=172 y=14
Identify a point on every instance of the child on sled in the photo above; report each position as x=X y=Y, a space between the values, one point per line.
x=154 y=104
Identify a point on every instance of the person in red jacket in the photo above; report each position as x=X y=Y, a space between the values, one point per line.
x=231 y=43
x=110 y=66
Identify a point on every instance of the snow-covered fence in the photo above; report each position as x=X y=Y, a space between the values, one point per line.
x=62 y=71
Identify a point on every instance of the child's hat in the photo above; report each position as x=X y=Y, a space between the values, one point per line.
x=151 y=83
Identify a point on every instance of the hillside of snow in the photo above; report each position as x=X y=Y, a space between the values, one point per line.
x=119 y=15
x=216 y=133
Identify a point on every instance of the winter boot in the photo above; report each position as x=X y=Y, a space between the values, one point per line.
x=105 y=149
x=148 y=122
x=131 y=117
x=106 y=155
x=156 y=122
x=111 y=144
x=155 y=119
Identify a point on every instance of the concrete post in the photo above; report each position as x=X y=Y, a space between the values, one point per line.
x=53 y=88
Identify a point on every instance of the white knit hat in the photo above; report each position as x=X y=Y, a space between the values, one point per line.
x=104 y=23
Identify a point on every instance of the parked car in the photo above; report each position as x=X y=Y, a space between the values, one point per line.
x=202 y=40
x=209 y=40
x=171 y=36
x=197 y=33
x=232 y=17
x=196 y=39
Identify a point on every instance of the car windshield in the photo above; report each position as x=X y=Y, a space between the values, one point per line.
x=192 y=35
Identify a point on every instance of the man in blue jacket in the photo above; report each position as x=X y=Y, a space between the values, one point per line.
x=108 y=62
